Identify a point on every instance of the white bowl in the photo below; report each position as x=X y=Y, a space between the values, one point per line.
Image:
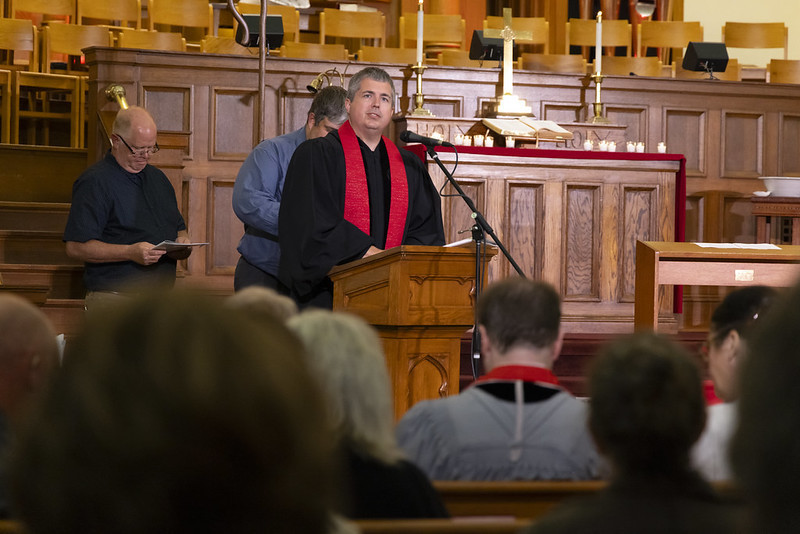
x=782 y=186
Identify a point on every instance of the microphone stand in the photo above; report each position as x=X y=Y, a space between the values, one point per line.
x=479 y=229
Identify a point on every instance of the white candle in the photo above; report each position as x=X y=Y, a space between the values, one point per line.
x=588 y=144
x=640 y=147
x=420 y=18
x=662 y=148
x=598 y=43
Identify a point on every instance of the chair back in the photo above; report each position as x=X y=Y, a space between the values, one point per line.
x=581 y=32
x=625 y=66
x=182 y=13
x=460 y=58
x=71 y=39
x=379 y=54
x=538 y=27
x=667 y=34
x=64 y=8
x=147 y=40
x=756 y=35
x=443 y=31
x=783 y=71
x=224 y=45
x=118 y=13
x=564 y=63
x=19 y=35
x=289 y=15
x=364 y=25
x=330 y=52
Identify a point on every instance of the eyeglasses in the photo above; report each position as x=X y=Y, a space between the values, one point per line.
x=140 y=151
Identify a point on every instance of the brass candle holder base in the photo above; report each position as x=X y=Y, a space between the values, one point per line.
x=419 y=97
x=597 y=106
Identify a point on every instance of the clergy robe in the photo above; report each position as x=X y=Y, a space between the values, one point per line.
x=314 y=235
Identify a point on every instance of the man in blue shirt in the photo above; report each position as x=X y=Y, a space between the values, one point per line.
x=259 y=186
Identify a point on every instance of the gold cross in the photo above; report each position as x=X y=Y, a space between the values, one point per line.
x=508 y=35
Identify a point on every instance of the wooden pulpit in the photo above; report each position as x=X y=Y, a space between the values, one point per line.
x=421 y=299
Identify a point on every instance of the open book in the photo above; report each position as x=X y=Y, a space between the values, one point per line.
x=528 y=127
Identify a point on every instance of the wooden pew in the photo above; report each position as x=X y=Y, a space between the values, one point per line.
x=456 y=525
x=519 y=499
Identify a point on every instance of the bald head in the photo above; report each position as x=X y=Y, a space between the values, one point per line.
x=28 y=351
x=134 y=138
x=129 y=120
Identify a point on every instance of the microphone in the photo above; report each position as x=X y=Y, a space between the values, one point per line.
x=410 y=137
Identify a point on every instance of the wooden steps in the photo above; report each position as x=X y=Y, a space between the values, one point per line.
x=34 y=246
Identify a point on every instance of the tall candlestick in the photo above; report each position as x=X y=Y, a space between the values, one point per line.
x=598 y=43
x=420 y=17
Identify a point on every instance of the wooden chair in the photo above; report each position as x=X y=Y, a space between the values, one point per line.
x=667 y=34
x=224 y=45
x=756 y=35
x=380 y=54
x=625 y=66
x=289 y=15
x=330 y=52
x=5 y=106
x=733 y=72
x=59 y=8
x=440 y=32
x=71 y=39
x=563 y=63
x=537 y=26
x=581 y=32
x=460 y=58
x=195 y=17
x=783 y=71
x=20 y=45
x=148 y=40
x=114 y=13
x=362 y=25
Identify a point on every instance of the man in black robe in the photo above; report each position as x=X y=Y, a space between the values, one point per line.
x=352 y=194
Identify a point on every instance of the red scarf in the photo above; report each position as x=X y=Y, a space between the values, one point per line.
x=356 y=200
x=527 y=373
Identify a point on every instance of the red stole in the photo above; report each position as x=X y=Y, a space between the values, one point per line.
x=527 y=373
x=356 y=200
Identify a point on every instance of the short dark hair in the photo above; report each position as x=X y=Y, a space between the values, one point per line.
x=518 y=311
x=329 y=104
x=372 y=73
x=739 y=310
x=764 y=452
x=174 y=414
x=647 y=406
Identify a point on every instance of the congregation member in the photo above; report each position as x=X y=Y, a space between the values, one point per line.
x=259 y=186
x=353 y=193
x=516 y=422
x=28 y=355
x=728 y=344
x=175 y=414
x=764 y=449
x=122 y=207
x=347 y=357
x=262 y=303
x=647 y=409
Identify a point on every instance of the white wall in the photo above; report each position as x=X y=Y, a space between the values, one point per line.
x=713 y=14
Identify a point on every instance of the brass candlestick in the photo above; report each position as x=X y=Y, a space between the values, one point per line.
x=419 y=98
x=598 y=118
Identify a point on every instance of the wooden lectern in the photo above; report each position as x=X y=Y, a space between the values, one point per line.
x=421 y=300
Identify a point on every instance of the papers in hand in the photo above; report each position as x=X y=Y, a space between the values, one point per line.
x=171 y=246
x=528 y=127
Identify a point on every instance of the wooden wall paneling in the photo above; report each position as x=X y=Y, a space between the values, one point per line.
x=612 y=253
x=523 y=226
x=742 y=150
x=788 y=141
x=694 y=217
x=580 y=254
x=457 y=216
x=685 y=133
x=232 y=128
x=738 y=220
x=171 y=108
x=554 y=213
x=639 y=210
x=634 y=117
x=442 y=105
x=294 y=104
x=561 y=112
x=224 y=229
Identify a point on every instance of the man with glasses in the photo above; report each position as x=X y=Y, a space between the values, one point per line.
x=121 y=208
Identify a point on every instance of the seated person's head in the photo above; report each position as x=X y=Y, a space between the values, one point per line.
x=517 y=313
x=177 y=415
x=347 y=356
x=728 y=333
x=764 y=450
x=262 y=303
x=647 y=407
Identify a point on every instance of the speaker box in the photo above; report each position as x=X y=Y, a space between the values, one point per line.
x=274 y=31
x=485 y=48
x=705 y=57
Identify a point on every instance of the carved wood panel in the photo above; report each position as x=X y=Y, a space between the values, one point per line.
x=171 y=108
x=742 y=148
x=788 y=143
x=224 y=229
x=457 y=216
x=685 y=133
x=582 y=211
x=523 y=226
x=233 y=131
x=634 y=117
x=640 y=206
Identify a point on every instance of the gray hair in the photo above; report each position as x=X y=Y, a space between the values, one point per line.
x=329 y=104
x=372 y=73
x=346 y=354
x=263 y=302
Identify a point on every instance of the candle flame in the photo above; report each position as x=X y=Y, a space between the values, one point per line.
x=420 y=3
